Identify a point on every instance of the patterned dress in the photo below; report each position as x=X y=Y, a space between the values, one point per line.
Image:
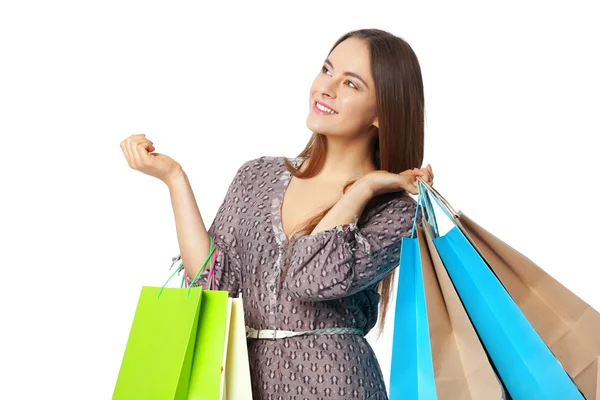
x=326 y=280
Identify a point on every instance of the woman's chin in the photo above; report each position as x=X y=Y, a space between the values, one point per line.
x=317 y=126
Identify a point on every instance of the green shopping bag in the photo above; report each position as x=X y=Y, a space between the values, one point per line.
x=158 y=357
x=207 y=380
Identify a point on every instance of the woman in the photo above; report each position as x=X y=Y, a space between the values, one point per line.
x=304 y=273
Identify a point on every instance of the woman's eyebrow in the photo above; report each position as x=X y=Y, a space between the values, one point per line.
x=354 y=74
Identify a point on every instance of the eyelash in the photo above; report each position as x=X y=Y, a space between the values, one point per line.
x=355 y=86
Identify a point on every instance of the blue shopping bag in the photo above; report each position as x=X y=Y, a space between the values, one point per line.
x=524 y=362
x=411 y=375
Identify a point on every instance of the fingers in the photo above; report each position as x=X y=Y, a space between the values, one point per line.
x=414 y=189
x=430 y=170
x=136 y=148
x=137 y=161
x=142 y=149
x=424 y=173
x=127 y=151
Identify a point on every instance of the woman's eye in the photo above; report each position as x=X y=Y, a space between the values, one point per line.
x=325 y=70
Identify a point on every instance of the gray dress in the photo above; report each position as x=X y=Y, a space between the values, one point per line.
x=319 y=281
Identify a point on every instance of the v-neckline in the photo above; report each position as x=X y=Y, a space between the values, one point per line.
x=298 y=162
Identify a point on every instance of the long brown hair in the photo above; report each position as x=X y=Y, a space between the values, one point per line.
x=400 y=140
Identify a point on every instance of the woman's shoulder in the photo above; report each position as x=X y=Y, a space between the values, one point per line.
x=258 y=169
x=272 y=160
x=264 y=164
x=263 y=160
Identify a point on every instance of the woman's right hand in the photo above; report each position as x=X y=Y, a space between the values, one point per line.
x=138 y=152
x=382 y=182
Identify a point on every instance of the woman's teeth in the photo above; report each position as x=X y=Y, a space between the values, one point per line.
x=322 y=108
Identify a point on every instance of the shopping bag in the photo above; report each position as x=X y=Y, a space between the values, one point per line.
x=220 y=368
x=207 y=379
x=237 y=368
x=411 y=375
x=158 y=358
x=524 y=362
x=568 y=325
x=461 y=366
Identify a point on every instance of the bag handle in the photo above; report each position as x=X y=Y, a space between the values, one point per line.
x=445 y=205
x=439 y=199
x=210 y=253
x=212 y=249
x=428 y=211
x=211 y=274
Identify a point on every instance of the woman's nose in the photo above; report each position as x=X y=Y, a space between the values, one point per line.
x=328 y=88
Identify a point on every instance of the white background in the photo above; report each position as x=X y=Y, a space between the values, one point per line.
x=512 y=133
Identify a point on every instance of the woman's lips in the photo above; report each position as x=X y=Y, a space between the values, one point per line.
x=314 y=107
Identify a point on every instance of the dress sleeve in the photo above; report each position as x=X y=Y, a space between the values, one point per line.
x=346 y=259
x=222 y=230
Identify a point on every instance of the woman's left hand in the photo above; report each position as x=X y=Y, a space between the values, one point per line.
x=424 y=173
x=382 y=182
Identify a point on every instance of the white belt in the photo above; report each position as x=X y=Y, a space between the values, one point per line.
x=279 y=334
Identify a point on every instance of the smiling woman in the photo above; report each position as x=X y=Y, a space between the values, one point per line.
x=344 y=88
x=369 y=76
x=331 y=270
x=312 y=242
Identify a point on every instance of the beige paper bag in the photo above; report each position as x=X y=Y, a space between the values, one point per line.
x=568 y=325
x=461 y=367
x=237 y=368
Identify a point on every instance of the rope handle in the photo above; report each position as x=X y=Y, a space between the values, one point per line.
x=212 y=250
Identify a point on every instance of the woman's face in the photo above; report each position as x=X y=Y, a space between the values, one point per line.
x=345 y=84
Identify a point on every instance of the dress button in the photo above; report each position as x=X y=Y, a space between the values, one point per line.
x=340 y=233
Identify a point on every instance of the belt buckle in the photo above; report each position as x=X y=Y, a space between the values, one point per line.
x=272 y=332
x=250 y=332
